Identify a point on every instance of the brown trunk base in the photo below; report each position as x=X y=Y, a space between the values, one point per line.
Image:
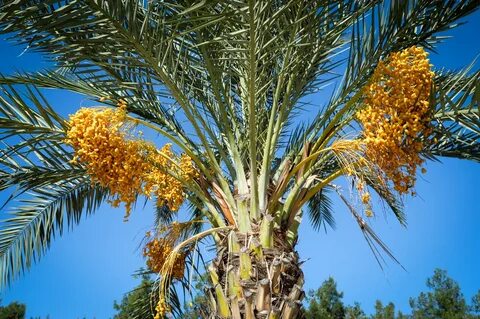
x=255 y=282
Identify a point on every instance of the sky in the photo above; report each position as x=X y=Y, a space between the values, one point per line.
x=89 y=267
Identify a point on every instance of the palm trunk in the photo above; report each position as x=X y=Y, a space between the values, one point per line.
x=251 y=281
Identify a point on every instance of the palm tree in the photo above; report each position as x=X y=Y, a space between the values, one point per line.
x=224 y=82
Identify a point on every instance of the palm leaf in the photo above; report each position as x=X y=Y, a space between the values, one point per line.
x=457 y=115
x=386 y=27
x=49 y=193
x=395 y=25
x=141 y=96
x=320 y=210
x=114 y=39
x=27 y=234
x=388 y=196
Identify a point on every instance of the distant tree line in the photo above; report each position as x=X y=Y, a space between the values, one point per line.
x=444 y=300
x=13 y=310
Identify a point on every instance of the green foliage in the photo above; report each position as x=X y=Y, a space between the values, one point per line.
x=137 y=303
x=13 y=310
x=355 y=312
x=140 y=302
x=384 y=312
x=444 y=301
x=320 y=210
x=326 y=302
x=199 y=307
x=475 y=306
x=59 y=192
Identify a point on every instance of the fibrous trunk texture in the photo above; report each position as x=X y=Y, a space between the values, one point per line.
x=251 y=281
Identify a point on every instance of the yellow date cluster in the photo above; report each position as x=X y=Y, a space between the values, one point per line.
x=396 y=117
x=128 y=167
x=157 y=251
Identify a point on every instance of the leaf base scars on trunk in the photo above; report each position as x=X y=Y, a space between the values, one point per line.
x=250 y=281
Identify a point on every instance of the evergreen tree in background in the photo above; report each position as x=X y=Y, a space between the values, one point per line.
x=444 y=301
x=355 y=312
x=381 y=312
x=326 y=302
x=14 y=310
x=475 y=306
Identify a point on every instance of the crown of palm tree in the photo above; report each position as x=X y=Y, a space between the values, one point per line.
x=225 y=82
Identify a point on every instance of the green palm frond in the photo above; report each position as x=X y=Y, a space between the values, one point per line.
x=47 y=192
x=142 y=98
x=457 y=115
x=134 y=43
x=27 y=233
x=320 y=210
x=386 y=27
x=16 y=117
x=115 y=39
x=389 y=27
x=393 y=201
x=395 y=25
x=32 y=135
x=163 y=215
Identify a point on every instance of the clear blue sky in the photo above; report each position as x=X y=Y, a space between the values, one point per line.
x=88 y=268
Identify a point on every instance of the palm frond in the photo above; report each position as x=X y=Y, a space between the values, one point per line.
x=388 y=27
x=32 y=134
x=456 y=97
x=387 y=196
x=136 y=43
x=376 y=245
x=47 y=192
x=142 y=97
x=384 y=28
x=16 y=117
x=27 y=233
x=320 y=210
x=395 y=25
x=163 y=215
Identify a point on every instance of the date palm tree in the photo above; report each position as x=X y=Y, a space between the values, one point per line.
x=225 y=82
